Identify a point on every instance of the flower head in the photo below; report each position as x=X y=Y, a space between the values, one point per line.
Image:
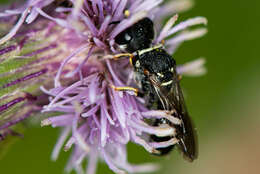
x=97 y=120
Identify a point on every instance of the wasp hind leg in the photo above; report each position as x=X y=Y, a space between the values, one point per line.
x=165 y=144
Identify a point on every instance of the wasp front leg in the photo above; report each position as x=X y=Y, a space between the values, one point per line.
x=127 y=89
x=118 y=56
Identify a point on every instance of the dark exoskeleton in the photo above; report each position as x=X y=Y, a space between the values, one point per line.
x=63 y=3
x=156 y=76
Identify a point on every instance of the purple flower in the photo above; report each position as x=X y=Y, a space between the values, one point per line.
x=98 y=121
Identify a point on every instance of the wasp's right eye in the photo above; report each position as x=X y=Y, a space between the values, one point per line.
x=124 y=37
x=127 y=37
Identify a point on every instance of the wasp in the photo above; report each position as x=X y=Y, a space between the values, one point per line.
x=156 y=76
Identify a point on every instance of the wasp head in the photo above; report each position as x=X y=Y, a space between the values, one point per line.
x=137 y=37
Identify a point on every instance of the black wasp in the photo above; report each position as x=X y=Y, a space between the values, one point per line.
x=155 y=74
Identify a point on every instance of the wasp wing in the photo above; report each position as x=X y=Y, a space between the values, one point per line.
x=174 y=100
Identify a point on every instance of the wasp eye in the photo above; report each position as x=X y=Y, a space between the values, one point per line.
x=127 y=37
x=124 y=37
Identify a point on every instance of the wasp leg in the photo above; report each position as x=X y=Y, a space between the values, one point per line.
x=126 y=88
x=123 y=55
x=163 y=42
x=179 y=77
x=164 y=144
x=146 y=145
x=117 y=56
x=131 y=56
x=159 y=114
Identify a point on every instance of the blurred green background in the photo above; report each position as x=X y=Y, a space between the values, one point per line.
x=224 y=103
